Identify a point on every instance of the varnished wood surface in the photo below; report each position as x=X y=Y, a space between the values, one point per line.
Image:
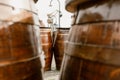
x=46 y=42
x=92 y=52
x=59 y=47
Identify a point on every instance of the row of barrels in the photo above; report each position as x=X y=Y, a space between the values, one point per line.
x=53 y=45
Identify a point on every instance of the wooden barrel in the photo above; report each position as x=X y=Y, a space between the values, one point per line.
x=92 y=50
x=46 y=42
x=59 y=46
x=19 y=57
x=19 y=50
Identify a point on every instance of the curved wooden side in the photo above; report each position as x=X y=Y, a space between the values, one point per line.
x=19 y=54
x=46 y=41
x=59 y=47
x=92 y=52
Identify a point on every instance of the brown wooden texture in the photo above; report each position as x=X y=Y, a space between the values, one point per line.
x=19 y=50
x=19 y=55
x=59 y=46
x=92 y=52
x=105 y=12
x=46 y=41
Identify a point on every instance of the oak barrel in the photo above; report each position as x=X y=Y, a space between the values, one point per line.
x=94 y=55
x=19 y=48
x=92 y=50
x=19 y=58
x=46 y=42
x=59 y=46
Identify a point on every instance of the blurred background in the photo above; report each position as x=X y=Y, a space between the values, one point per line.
x=46 y=7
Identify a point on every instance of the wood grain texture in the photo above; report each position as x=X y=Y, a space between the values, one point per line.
x=92 y=52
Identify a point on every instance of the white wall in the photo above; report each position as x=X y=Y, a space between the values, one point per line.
x=44 y=9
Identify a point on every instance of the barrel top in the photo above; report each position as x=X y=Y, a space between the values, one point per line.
x=72 y=5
